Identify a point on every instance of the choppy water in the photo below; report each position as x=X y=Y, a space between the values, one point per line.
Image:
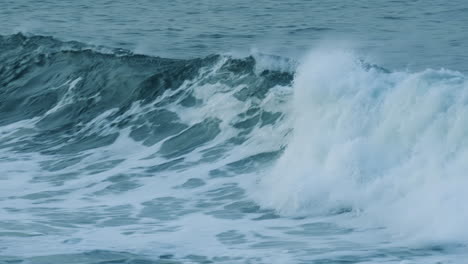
x=248 y=132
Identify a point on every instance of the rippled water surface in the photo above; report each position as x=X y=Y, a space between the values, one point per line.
x=399 y=34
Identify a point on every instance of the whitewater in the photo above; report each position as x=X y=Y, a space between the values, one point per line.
x=108 y=156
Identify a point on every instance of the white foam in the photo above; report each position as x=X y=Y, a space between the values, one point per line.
x=390 y=146
x=393 y=147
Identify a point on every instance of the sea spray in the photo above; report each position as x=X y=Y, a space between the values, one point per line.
x=390 y=148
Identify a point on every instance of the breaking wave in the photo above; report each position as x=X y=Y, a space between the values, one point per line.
x=98 y=142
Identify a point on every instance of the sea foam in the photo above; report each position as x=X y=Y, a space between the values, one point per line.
x=391 y=148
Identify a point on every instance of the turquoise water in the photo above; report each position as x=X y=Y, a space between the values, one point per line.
x=233 y=132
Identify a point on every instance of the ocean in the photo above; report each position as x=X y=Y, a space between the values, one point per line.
x=233 y=132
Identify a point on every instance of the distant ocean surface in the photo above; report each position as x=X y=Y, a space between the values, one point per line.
x=233 y=132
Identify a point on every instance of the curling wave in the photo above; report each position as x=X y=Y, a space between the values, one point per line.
x=226 y=155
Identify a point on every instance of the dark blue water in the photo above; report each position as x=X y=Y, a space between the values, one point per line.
x=233 y=132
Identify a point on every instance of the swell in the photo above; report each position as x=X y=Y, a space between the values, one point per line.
x=64 y=86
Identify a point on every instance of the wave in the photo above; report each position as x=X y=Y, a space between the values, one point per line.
x=389 y=148
x=328 y=135
x=67 y=87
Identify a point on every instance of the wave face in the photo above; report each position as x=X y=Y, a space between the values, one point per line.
x=109 y=156
x=81 y=99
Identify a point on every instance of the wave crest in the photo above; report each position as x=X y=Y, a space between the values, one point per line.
x=391 y=147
